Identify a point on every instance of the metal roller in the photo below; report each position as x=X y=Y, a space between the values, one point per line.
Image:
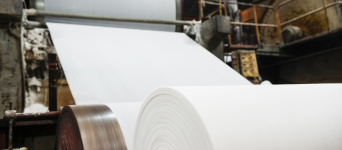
x=140 y=9
x=89 y=127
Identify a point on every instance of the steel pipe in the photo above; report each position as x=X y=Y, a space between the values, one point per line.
x=213 y=3
x=253 y=24
x=10 y=117
x=10 y=135
x=256 y=25
x=246 y=4
x=34 y=12
x=326 y=13
x=33 y=24
x=280 y=35
x=53 y=115
x=215 y=11
x=201 y=15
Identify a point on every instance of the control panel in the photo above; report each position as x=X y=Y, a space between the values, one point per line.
x=245 y=62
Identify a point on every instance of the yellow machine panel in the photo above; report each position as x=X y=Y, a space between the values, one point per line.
x=245 y=62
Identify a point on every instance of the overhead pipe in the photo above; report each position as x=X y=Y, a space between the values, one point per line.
x=34 y=12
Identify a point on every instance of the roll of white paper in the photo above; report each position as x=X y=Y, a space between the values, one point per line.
x=106 y=65
x=282 y=117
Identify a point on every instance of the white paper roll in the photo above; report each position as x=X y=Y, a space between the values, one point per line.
x=282 y=117
x=126 y=113
x=106 y=65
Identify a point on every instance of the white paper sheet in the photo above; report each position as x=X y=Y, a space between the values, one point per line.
x=279 y=117
x=127 y=114
x=106 y=65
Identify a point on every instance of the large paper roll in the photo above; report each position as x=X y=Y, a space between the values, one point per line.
x=282 y=117
x=106 y=65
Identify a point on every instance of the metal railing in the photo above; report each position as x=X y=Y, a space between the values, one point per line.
x=278 y=24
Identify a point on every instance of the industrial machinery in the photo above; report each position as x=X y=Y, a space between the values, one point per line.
x=282 y=41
